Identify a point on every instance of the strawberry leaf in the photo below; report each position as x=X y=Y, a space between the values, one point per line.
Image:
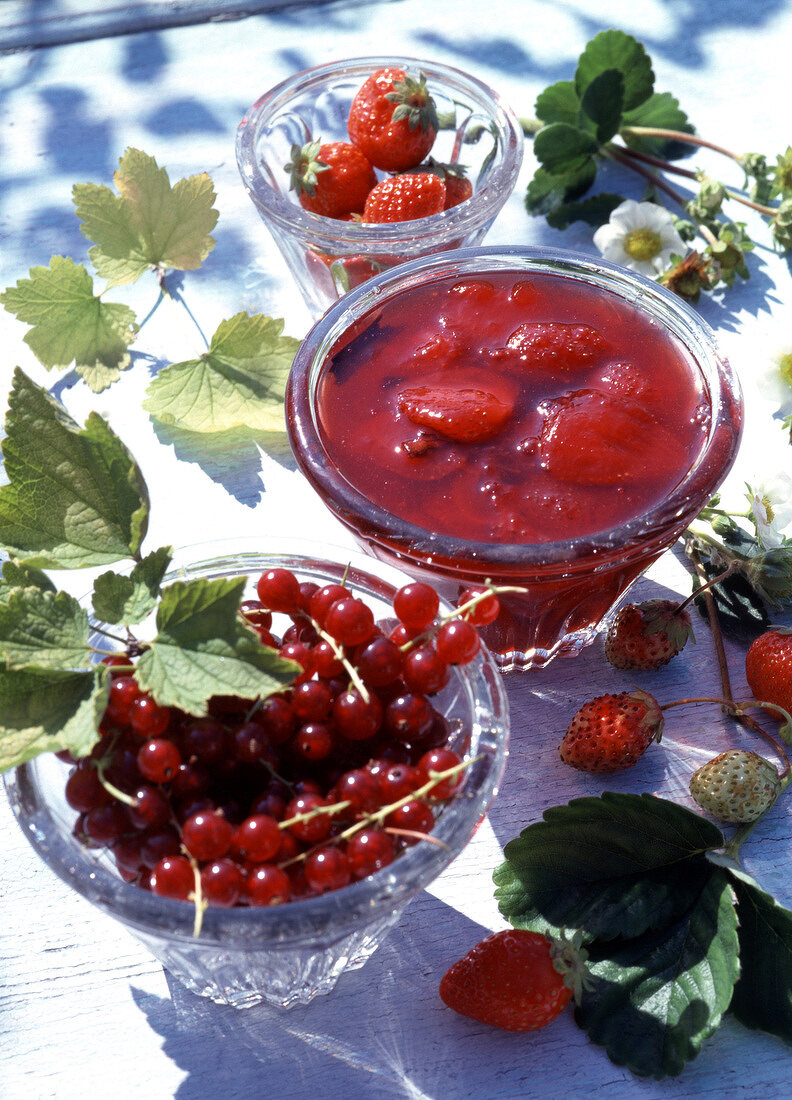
x=118 y=598
x=602 y=103
x=70 y=323
x=563 y=149
x=655 y=999
x=662 y=111
x=43 y=629
x=48 y=710
x=546 y=192
x=763 y=994
x=593 y=211
x=76 y=496
x=240 y=381
x=203 y=648
x=149 y=223
x=614 y=49
x=559 y=103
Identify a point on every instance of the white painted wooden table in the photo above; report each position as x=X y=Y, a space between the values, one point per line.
x=84 y=1010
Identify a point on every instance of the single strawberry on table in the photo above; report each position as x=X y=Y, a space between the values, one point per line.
x=645 y=636
x=736 y=786
x=332 y=179
x=611 y=732
x=768 y=668
x=404 y=198
x=393 y=119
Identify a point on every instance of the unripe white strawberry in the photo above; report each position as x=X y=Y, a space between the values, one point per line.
x=737 y=786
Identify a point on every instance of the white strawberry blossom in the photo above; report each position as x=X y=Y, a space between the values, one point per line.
x=774 y=377
x=770 y=500
x=641 y=236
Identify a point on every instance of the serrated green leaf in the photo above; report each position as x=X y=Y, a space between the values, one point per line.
x=44 y=629
x=203 y=648
x=594 y=211
x=658 y=997
x=545 y=192
x=76 y=496
x=70 y=323
x=559 y=103
x=663 y=112
x=741 y=613
x=563 y=149
x=17 y=575
x=149 y=223
x=240 y=381
x=614 y=49
x=763 y=994
x=48 y=710
x=602 y=103
x=129 y=599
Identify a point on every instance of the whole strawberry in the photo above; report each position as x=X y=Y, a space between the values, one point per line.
x=332 y=179
x=515 y=980
x=647 y=635
x=768 y=667
x=737 y=786
x=611 y=732
x=393 y=120
x=454 y=176
x=403 y=198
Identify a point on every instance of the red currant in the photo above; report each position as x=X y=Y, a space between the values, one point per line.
x=356 y=719
x=412 y=817
x=457 y=642
x=327 y=869
x=207 y=835
x=485 y=611
x=222 y=882
x=258 y=838
x=279 y=590
x=158 y=760
x=440 y=760
x=267 y=885
x=416 y=605
x=349 y=621
x=368 y=851
x=172 y=877
x=147 y=718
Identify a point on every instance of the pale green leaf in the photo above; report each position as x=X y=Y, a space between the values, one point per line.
x=48 y=710
x=76 y=496
x=45 y=629
x=203 y=648
x=240 y=381
x=128 y=599
x=149 y=223
x=70 y=323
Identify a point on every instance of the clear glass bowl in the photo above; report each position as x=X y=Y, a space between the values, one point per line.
x=285 y=954
x=570 y=585
x=326 y=256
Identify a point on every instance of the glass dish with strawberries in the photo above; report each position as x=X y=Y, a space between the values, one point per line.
x=521 y=416
x=261 y=849
x=359 y=165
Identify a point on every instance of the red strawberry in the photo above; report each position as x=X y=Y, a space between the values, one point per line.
x=393 y=120
x=647 y=635
x=332 y=179
x=403 y=198
x=610 y=732
x=464 y=415
x=515 y=980
x=768 y=667
x=458 y=186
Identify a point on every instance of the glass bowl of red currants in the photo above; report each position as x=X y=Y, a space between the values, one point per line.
x=432 y=180
x=262 y=849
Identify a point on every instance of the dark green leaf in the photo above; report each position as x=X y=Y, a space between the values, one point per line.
x=614 y=49
x=657 y=998
x=763 y=994
x=663 y=112
x=602 y=103
x=129 y=599
x=741 y=613
x=44 y=629
x=546 y=192
x=559 y=103
x=594 y=211
x=16 y=575
x=563 y=149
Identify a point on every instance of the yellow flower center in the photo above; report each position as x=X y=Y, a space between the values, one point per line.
x=765 y=500
x=642 y=244
x=785 y=368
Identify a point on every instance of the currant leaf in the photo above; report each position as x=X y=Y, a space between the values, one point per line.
x=43 y=629
x=76 y=496
x=16 y=575
x=613 y=49
x=70 y=323
x=240 y=381
x=118 y=598
x=48 y=710
x=203 y=648
x=149 y=223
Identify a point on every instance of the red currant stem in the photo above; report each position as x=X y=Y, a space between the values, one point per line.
x=737 y=710
x=706 y=585
x=714 y=621
x=108 y=634
x=458 y=612
x=678 y=135
x=111 y=788
x=197 y=897
x=309 y=815
x=658 y=162
x=416 y=835
x=342 y=657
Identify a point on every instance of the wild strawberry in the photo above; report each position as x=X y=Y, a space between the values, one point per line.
x=515 y=980
x=464 y=415
x=393 y=120
x=647 y=635
x=403 y=198
x=612 y=731
x=332 y=179
x=736 y=786
x=768 y=666
x=458 y=186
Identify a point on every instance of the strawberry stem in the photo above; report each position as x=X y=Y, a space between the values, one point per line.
x=737 y=710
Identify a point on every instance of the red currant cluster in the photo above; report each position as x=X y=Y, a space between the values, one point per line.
x=299 y=793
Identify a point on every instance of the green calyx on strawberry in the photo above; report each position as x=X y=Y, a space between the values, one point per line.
x=464 y=415
x=611 y=732
x=414 y=103
x=304 y=167
x=333 y=179
x=454 y=176
x=648 y=635
x=736 y=786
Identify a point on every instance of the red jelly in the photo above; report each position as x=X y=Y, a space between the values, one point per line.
x=548 y=427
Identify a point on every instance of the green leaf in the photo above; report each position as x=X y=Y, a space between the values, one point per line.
x=71 y=323
x=545 y=192
x=203 y=648
x=658 y=997
x=741 y=613
x=663 y=112
x=559 y=103
x=763 y=994
x=48 y=710
x=149 y=223
x=76 y=496
x=44 y=629
x=16 y=575
x=602 y=103
x=130 y=599
x=563 y=149
x=594 y=211
x=240 y=381
x=614 y=49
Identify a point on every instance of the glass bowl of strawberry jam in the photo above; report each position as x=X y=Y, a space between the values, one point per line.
x=527 y=417
x=328 y=256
